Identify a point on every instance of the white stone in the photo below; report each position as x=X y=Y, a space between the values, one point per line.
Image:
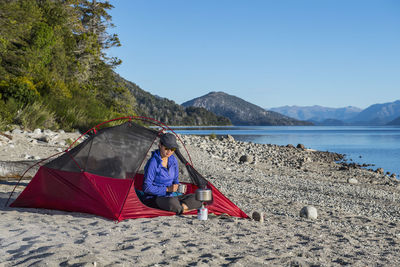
x=33 y=141
x=17 y=131
x=309 y=212
x=25 y=156
x=62 y=143
x=37 y=131
x=352 y=181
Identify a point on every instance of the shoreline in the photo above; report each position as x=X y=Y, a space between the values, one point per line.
x=358 y=219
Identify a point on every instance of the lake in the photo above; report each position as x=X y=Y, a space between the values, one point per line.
x=378 y=145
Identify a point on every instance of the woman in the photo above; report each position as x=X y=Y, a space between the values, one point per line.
x=161 y=179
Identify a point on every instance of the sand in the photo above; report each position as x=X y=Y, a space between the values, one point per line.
x=357 y=224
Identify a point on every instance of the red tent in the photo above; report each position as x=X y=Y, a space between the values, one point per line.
x=102 y=175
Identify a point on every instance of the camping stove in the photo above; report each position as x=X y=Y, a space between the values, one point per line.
x=204 y=195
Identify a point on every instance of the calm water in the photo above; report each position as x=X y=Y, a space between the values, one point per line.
x=362 y=144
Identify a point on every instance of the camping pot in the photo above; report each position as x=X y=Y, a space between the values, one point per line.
x=182 y=188
x=204 y=195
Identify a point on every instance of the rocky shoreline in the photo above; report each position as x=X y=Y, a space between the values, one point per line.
x=356 y=220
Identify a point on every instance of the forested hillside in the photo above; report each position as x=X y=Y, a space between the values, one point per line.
x=168 y=111
x=54 y=71
x=53 y=68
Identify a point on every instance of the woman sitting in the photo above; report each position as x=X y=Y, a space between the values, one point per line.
x=161 y=181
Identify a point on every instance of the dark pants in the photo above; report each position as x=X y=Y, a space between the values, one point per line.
x=174 y=204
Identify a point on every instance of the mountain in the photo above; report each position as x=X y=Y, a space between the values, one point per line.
x=319 y=114
x=239 y=111
x=169 y=112
x=378 y=114
x=394 y=122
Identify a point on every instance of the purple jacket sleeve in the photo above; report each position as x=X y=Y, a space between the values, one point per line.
x=148 y=183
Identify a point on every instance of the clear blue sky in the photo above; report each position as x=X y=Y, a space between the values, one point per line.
x=333 y=53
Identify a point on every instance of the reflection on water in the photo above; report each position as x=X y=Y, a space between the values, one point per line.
x=362 y=144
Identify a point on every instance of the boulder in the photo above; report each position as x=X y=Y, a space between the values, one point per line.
x=246 y=159
x=309 y=212
x=301 y=146
x=380 y=171
x=352 y=181
x=230 y=138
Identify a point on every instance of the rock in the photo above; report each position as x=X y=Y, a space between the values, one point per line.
x=62 y=143
x=37 y=132
x=230 y=138
x=26 y=156
x=17 y=131
x=290 y=146
x=380 y=171
x=44 y=138
x=246 y=159
x=301 y=146
x=309 y=212
x=393 y=175
x=352 y=181
x=258 y=216
x=48 y=132
x=33 y=142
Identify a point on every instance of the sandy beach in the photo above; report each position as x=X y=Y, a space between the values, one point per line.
x=358 y=221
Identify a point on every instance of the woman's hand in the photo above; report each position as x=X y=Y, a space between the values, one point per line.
x=172 y=188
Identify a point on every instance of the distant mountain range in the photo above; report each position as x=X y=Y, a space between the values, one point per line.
x=378 y=114
x=318 y=113
x=239 y=111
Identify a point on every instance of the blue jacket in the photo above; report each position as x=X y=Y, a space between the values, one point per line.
x=157 y=178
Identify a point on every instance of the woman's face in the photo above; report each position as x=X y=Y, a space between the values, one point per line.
x=166 y=152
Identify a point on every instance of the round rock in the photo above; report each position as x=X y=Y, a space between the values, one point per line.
x=301 y=146
x=246 y=159
x=309 y=212
x=258 y=216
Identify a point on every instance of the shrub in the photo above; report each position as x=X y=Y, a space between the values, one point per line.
x=22 y=89
x=36 y=115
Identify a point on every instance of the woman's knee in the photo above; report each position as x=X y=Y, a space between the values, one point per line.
x=170 y=204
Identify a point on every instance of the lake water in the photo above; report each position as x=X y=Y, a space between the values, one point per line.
x=362 y=144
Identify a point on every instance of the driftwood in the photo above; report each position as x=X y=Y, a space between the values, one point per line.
x=15 y=169
x=6 y=135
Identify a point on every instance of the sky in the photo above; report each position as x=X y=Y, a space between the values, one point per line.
x=333 y=53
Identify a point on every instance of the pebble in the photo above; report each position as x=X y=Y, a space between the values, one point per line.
x=309 y=212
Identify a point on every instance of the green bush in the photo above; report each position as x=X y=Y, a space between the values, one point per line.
x=22 y=89
x=36 y=115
